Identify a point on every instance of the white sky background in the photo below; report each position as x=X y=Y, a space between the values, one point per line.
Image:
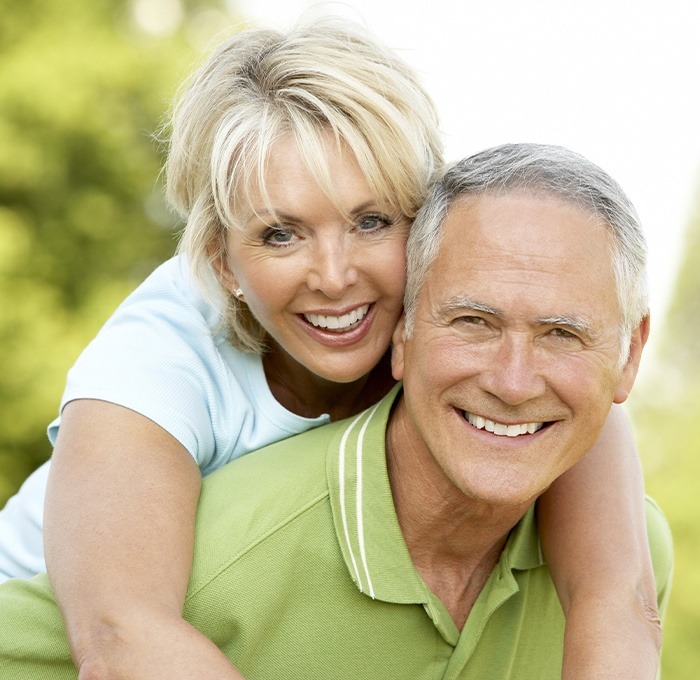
x=616 y=80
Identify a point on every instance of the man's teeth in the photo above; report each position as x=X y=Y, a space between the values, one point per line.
x=338 y=323
x=500 y=428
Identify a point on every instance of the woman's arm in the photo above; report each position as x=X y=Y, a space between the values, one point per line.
x=119 y=531
x=593 y=531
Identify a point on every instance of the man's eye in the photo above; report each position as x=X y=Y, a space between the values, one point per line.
x=472 y=320
x=563 y=333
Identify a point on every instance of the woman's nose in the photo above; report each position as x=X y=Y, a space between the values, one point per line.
x=332 y=269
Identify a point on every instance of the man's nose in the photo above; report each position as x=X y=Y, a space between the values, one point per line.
x=514 y=374
x=332 y=268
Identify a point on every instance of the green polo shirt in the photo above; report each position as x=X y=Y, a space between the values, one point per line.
x=301 y=571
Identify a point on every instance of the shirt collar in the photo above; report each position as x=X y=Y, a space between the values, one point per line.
x=366 y=524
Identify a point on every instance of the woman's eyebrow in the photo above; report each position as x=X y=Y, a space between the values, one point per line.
x=370 y=204
x=270 y=216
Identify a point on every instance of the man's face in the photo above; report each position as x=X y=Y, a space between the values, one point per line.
x=514 y=360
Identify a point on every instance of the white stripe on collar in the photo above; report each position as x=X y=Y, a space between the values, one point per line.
x=358 y=500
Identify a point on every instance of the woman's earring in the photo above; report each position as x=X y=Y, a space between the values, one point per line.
x=238 y=293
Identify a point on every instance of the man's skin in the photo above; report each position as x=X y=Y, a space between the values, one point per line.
x=516 y=324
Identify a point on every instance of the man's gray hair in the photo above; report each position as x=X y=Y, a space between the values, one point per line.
x=540 y=170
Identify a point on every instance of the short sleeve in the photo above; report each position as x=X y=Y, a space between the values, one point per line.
x=157 y=355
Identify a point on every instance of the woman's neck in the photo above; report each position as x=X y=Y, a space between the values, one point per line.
x=307 y=394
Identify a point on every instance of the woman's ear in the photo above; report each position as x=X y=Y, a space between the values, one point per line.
x=224 y=273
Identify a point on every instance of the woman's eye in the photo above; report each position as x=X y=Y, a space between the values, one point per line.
x=277 y=236
x=373 y=222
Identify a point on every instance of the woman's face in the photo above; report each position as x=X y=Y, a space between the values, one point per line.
x=327 y=287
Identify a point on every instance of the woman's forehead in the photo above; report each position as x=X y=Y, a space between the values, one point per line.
x=290 y=175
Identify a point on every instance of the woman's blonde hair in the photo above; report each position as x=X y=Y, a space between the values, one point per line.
x=323 y=76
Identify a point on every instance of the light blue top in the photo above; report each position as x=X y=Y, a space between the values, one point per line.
x=161 y=354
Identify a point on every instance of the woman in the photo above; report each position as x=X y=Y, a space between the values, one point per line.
x=298 y=162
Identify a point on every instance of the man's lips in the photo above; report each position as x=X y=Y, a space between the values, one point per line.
x=502 y=429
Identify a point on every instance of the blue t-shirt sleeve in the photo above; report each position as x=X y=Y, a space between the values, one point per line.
x=158 y=356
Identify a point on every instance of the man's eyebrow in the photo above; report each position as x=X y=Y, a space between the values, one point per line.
x=460 y=303
x=576 y=324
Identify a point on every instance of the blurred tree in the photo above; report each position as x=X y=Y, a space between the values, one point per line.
x=84 y=84
x=681 y=333
x=666 y=409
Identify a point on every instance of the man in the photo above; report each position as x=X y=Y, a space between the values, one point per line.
x=402 y=543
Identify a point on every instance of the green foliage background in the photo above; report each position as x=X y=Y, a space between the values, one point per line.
x=82 y=221
x=82 y=218
x=665 y=408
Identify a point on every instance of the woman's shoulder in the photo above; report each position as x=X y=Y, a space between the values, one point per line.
x=170 y=293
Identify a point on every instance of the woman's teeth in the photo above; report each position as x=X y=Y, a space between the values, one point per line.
x=502 y=429
x=338 y=323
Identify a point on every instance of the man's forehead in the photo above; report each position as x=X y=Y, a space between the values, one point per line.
x=523 y=224
x=473 y=205
x=533 y=250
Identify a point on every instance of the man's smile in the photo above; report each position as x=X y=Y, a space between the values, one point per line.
x=502 y=429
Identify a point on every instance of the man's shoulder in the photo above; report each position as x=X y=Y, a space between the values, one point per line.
x=252 y=498
x=300 y=457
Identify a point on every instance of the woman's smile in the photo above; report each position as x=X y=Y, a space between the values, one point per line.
x=339 y=330
x=338 y=322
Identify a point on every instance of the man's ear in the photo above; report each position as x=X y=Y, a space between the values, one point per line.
x=398 y=345
x=639 y=338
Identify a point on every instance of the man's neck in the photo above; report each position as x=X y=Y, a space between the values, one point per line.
x=454 y=541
